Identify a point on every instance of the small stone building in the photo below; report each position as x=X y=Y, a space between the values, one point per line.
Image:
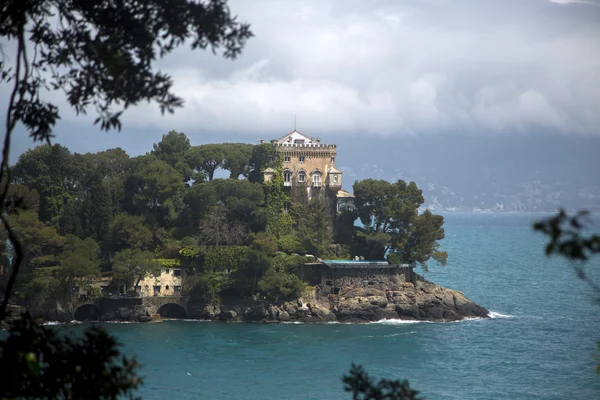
x=168 y=283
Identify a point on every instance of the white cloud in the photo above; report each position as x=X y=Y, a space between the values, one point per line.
x=388 y=67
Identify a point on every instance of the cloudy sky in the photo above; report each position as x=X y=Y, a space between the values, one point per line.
x=380 y=67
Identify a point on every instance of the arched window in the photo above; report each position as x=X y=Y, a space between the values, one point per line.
x=316 y=179
x=287 y=175
x=301 y=176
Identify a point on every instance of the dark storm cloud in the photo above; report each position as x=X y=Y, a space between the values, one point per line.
x=392 y=68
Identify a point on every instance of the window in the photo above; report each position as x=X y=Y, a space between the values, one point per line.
x=301 y=176
x=301 y=158
x=167 y=287
x=299 y=141
x=176 y=272
x=287 y=178
x=335 y=179
x=156 y=289
x=286 y=158
x=167 y=271
x=270 y=158
x=286 y=207
x=316 y=179
x=177 y=289
x=333 y=160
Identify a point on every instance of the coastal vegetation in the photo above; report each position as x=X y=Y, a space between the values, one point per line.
x=107 y=214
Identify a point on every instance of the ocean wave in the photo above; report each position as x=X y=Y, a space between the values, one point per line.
x=494 y=315
x=398 y=321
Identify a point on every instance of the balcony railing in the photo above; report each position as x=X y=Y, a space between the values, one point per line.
x=316 y=184
x=287 y=183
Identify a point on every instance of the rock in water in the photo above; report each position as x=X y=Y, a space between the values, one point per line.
x=423 y=301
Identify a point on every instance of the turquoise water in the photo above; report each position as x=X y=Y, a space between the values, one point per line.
x=542 y=346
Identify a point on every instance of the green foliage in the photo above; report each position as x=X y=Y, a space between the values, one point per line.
x=363 y=387
x=336 y=252
x=46 y=169
x=315 y=225
x=157 y=187
x=128 y=232
x=39 y=285
x=389 y=213
x=237 y=159
x=421 y=242
x=131 y=265
x=168 y=262
x=79 y=260
x=205 y=159
x=172 y=149
x=101 y=58
x=263 y=242
x=114 y=69
x=41 y=242
x=211 y=269
x=279 y=222
x=280 y=282
x=43 y=363
x=289 y=243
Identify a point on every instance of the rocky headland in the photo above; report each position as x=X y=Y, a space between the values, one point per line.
x=421 y=301
x=334 y=295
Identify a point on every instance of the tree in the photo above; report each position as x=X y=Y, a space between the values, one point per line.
x=280 y=282
x=39 y=362
x=421 y=243
x=98 y=208
x=315 y=225
x=389 y=213
x=128 y=232
x=219 y=230
x=172 y=149
x=205 y=159
x=262 y=250
x=363 y=387
x=237 y=159
x=47 y=169
x=158 y=186
x=131 y=265
x=100 y=56
x=40 y=243
x=79 y=261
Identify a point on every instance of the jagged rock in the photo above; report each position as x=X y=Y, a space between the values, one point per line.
x=210 y=312
x=108 y=317
x=232 y=315
x=13 y=312
x=284 y=315
x=124 y=314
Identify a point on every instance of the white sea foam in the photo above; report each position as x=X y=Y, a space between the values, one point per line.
x=397 y=321
x=494 y=314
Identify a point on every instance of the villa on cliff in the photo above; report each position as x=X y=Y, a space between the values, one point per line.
x=310 y=164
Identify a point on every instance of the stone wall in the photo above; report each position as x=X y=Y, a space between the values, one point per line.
x=108 y=305
x=336 y=278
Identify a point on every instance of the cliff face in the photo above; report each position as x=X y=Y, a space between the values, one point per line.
x=356 y=296
x=338 y=293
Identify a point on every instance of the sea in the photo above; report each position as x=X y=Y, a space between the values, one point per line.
x=540 y=342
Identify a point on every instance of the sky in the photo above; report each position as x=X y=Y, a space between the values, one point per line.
x=384 y=68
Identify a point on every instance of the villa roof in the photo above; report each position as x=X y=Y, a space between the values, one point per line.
x=294 y=135
x=269 y=170
x=335 y=170
x=344 y=194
